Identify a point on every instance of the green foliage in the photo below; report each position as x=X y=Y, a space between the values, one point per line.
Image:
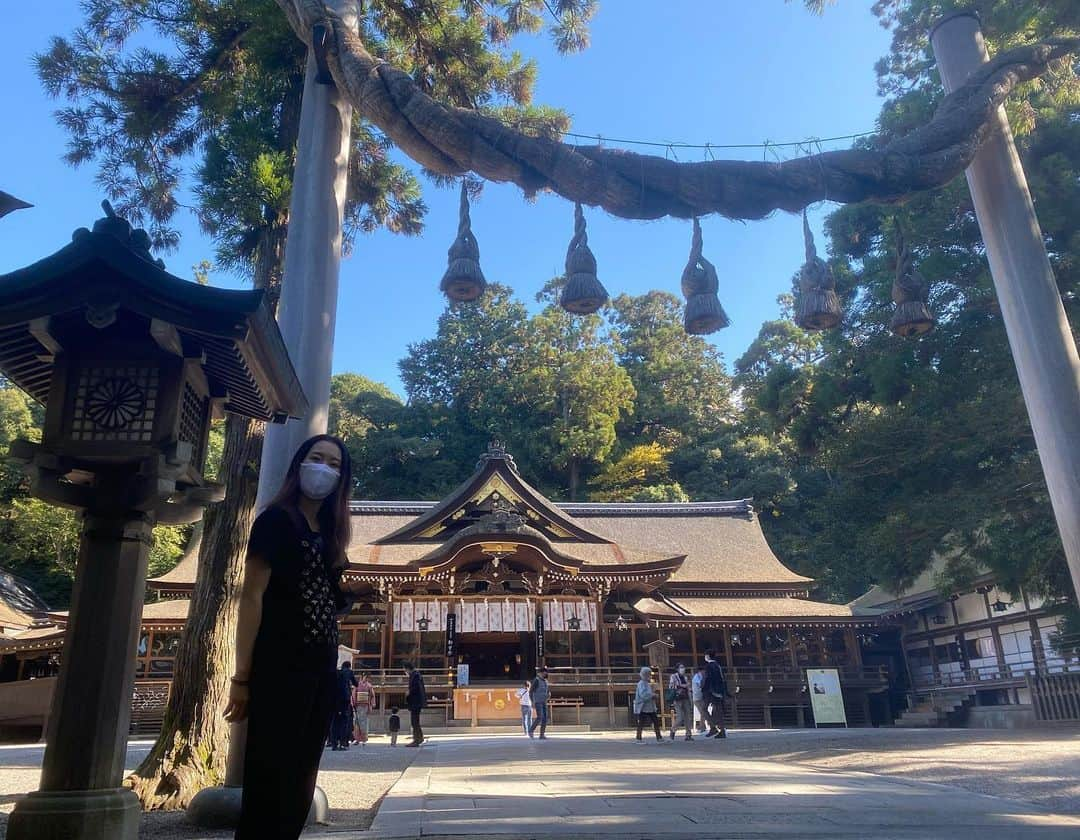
x=581 y=389
x=205 y=94
x=641 y=474
x=903 y=448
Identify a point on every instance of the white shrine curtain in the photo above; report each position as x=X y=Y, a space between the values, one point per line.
x=558 y=613
x=494 y=616
x=407 y=615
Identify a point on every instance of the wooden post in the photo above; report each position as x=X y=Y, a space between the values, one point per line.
x=1041 y=341
x=935 y=670
x=390 y=632
x=1038 y=652
x=854 y=649
x=995 y=633
x=600 y=654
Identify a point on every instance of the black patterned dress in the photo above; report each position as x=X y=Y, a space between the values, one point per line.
x=293 y=677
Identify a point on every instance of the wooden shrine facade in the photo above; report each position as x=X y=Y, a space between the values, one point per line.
x=499 y=578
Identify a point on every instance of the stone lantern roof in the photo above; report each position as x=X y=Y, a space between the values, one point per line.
x=108 y=271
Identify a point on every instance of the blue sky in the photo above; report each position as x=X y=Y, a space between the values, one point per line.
x=719 y=72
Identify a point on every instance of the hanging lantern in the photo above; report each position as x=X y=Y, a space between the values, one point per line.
x=583 y=293
x=817 y=306
x=704 y=314
x=910 y=293
x=463 y=280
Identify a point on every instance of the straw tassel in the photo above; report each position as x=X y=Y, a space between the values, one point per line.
x=910 y=293
x=700 y=285
x=817 y=307
x=463 y=280
x=583 y=293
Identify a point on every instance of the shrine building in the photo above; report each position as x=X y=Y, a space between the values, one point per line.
x=500 y=579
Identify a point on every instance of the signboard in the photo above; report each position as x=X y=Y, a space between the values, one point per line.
x=451 y=635
x=463 y=673
x=826 y=698
x=539 y=638
x=659 y=654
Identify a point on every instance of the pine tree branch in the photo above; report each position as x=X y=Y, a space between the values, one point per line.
x=452 y=141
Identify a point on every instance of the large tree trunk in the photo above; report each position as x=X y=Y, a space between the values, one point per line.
x=575 y=478
x=191 y=751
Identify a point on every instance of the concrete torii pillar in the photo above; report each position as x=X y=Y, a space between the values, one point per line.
x=307 y=315
x=307 y=310
x=1039 y=336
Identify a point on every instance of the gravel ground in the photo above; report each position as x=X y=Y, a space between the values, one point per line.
x=355 y=782
x=1037 y=766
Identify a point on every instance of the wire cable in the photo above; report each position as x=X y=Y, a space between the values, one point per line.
x=709 y=147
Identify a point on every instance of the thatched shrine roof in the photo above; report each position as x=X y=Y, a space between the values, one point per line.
x=19 y=603
x=679 y=610
x=691 y=546
x=922 y=592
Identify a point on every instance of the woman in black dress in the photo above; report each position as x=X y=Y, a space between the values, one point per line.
x=286 y=639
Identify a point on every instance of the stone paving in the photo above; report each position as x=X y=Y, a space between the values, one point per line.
x=788 y=783
x=606 y=785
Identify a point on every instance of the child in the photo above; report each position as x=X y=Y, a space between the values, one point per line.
x=393 y=726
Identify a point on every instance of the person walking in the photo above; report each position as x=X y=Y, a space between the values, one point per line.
x=285 y=683
x=524 y=696
x=701 y=713
x=343 y=718
x=539 y=694
x=679 y=692
x=645 y=704
x=363 y=703
x=393 y=726
x=415 y=701
x=714 y=690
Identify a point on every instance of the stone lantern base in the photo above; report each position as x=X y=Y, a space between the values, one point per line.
x=111 y=814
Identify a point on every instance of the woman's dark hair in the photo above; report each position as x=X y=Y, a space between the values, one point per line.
x=334 y=520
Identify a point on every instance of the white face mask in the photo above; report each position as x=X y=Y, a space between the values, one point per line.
x=317 y=481
x=682 y=669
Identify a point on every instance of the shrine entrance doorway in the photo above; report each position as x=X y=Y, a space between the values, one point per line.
x=497 y=657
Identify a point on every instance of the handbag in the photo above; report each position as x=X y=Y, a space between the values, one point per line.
x=669 y=695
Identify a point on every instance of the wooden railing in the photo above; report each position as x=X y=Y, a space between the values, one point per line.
x=395 y=679
x=603 y=678
x=1055 y=696
x=990 y=676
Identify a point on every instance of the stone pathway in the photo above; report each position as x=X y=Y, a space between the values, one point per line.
x=602 y=786
x=785 y=784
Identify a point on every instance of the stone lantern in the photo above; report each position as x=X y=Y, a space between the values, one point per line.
x=132 y=364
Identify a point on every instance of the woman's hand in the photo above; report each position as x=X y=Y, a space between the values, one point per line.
x=237 y=708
